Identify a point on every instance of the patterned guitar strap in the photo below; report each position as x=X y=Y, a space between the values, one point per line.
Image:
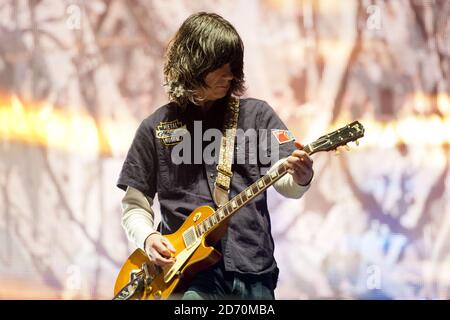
x=224 y=173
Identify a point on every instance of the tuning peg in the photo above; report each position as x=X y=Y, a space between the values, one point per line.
x=357 y=142
x=347 y=147
x=337 y=151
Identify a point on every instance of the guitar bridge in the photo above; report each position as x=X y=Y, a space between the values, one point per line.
x=133 y=288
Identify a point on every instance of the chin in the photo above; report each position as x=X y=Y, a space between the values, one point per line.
x=221 y=96
x=222 y=93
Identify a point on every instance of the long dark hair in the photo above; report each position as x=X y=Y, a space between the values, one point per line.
x=204 y=43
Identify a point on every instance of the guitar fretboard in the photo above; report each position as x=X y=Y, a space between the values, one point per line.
x=244 y=197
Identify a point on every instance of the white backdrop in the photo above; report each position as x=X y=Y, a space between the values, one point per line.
x=77 y=77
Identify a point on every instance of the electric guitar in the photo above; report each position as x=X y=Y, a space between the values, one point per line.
x=139 y=278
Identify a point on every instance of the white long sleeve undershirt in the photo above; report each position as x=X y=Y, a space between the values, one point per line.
x=138 y=216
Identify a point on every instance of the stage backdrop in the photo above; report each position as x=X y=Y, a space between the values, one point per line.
x=77 y=78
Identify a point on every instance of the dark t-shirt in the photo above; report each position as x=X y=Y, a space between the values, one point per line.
x=149 y=167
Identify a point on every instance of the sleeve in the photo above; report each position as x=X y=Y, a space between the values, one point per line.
x=139 y=169
x=137 y=216
x=275 y=141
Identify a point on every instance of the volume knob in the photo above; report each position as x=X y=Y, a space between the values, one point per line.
x=157 y=294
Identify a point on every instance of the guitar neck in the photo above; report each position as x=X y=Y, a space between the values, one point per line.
x=340 y=137
x=245 y=196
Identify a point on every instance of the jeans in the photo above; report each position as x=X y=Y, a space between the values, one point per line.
x=215 y=284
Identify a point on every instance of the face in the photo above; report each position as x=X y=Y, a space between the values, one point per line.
x=218 y=82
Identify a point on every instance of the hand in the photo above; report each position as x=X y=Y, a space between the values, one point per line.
x=299 y=165
x=159 y=250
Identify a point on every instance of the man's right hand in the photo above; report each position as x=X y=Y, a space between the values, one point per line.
x=159 y=249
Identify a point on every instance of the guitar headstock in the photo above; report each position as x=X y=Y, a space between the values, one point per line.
x=340 y=137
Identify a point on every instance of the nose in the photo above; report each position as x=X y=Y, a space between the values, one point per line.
x=228 y=76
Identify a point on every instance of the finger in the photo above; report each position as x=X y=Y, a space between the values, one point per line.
x=300 y=171
x=160 y=260
x=160 y=255
x=294 y=162
x=153 y=255
x=297 y=174
x=302 y=156
x=299 y=153
x=299 y=168
x=301 y=176
x=161 y=248
x=168 y=245
x=303 y=165
x=291 y=163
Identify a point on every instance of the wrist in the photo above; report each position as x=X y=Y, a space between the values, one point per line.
x=152 y=233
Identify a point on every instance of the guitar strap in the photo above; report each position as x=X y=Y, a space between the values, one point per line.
x=224 y=173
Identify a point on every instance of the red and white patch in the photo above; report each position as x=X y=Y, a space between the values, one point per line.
x=283 y=136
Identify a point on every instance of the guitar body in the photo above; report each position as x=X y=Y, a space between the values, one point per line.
x=200 y=256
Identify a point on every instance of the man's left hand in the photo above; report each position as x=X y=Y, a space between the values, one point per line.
x=299 y=165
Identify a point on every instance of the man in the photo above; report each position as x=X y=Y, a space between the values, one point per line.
x=203 y=70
